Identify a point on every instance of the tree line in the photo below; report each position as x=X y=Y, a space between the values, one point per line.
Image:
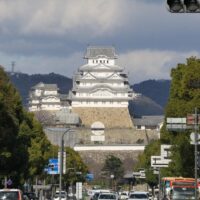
x=184 y=97
x=24 y=147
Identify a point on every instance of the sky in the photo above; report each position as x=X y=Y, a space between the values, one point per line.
x=44 y=36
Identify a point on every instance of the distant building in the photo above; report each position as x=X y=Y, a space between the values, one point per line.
x=149 y=122
x=101 y=90
x=44 y=97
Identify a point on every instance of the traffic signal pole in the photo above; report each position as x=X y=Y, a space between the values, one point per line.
x=196 y=151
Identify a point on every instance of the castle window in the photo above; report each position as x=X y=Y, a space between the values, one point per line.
x=100 y=61
x=107 y=61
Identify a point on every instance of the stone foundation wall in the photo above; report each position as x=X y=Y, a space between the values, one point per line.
x=110 y=117
x=112 y=136
x=95 y=160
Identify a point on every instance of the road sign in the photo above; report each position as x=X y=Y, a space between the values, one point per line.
x=155 y=171
x=9 y=182
x=177 y=127
x=89 y=177
x=158 y=161
x=53 y=166
x=192 y=137
x=191 y=119
x=165 y=151
x=193 y=143
x=79 y=190
x=176 y=120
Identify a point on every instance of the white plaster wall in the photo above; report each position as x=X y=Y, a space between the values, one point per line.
x=50 y=107
x=49 y=92
x=38 y=92
x=110 y=148
x=99 y=104
x=35 y=101
x=51 y=100
x=94 y=62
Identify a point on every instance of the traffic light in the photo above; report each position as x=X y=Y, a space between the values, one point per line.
x=183 y=6
x=191 y=5
x=175 y=6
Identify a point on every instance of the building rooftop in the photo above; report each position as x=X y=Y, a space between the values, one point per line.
x=148 y=120
x=97 y=51
x=44 y=86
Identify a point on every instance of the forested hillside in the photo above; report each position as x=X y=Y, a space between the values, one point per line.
x=157 y=90
x=24 y=82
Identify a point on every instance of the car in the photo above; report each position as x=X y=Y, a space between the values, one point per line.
x=63 y=195
x=95 y=196
x=30 y=195
x=107 y=196
x=138 y=196
x=57 y=197
x=11 y=194
x=124 y=195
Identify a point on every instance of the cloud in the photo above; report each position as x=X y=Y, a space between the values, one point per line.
x=152 y=64
x=44 y=36
x=66 y=66
x=60 y=17
x=139 y=64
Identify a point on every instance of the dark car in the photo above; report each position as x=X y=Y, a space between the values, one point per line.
x=31 y=195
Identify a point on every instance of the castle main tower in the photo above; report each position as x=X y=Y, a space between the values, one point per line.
x=101 y=90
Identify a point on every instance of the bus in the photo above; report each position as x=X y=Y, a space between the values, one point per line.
x=177 y=188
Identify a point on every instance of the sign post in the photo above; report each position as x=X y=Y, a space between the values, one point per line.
x=79 y=190
x=163 y=160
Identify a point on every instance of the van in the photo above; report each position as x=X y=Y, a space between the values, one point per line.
x=11 y=194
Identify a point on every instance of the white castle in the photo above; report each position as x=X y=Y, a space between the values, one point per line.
x=101 y=90
x=44 y=97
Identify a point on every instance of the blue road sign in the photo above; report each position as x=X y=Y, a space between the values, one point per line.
x=53 y=166
x=89 y=177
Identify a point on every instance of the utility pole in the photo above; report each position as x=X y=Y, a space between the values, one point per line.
x=61 y=159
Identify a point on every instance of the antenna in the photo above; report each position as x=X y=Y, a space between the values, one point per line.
x=13 y=67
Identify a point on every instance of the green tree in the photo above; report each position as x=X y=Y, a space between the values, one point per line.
x=19 y=133
x=76 y=169
x=144 y=161
x=113 y=166
x=184 y=97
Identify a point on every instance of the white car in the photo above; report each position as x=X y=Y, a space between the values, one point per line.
x=138 y=196
x=124 y=195
x=63 y=195
x=107 y=196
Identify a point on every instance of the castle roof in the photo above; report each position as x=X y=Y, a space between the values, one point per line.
x=97 y=51
x=44 y=86
x=149 y=120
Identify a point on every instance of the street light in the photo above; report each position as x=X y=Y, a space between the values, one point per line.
x=61 y=159
x=66 y=130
